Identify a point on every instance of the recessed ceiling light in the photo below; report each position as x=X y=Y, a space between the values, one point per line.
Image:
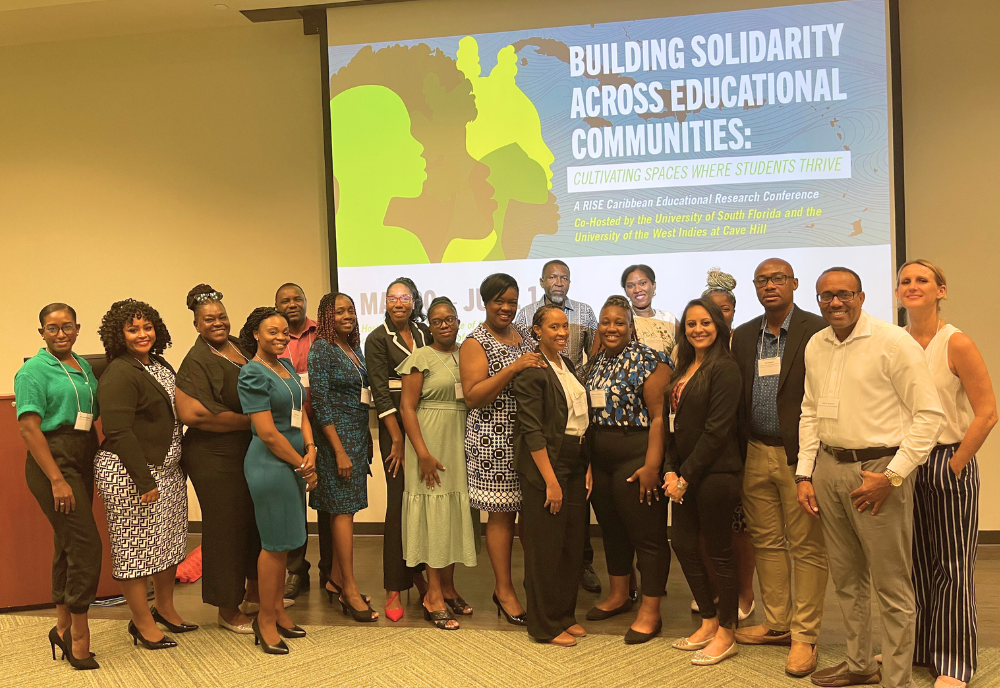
x=220 y=6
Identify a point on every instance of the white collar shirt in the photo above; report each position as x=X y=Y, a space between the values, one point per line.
x=883 y=392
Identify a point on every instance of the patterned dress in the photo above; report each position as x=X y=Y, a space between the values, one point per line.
x=489 y=431
x=335 y=384
x=146 y=538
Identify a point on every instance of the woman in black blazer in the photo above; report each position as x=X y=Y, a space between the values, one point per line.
x=703 y=473
x=138 y=469
x=554 y=475
x=386 y=347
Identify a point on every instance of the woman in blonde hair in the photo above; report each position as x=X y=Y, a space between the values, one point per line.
x=719 y=288
x=946 y=493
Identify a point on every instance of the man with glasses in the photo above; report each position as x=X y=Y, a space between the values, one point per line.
x=870 y=416
x=770 y=351
x=582 y=335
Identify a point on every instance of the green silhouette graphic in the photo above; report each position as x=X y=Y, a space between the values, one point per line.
x=375 y=159
x=525 y=209
x=506 y=114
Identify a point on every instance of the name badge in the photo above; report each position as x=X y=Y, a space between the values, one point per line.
x=304 y=379
x=671 y=419
x=768 y=366
x=580 y=405
x=366 y=396
x=84 y=421
x=459 y=392
x=396 y=385
x=828 y=408
x=598 y=398
x=296 y=418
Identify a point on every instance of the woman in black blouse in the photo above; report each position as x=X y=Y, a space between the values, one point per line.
x=386 y=347
x=704 y=473
x=625 y=382
x=213 y=450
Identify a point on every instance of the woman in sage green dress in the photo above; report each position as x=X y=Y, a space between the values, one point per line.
x=437 y=520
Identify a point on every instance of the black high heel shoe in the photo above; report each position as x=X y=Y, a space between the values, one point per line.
x=258 y=639
x=337 y=590
x=519 y=620
x=56 y=641
x=293 y=632
x=364 y=616
x=138 y=637
x=172 y=627
x=85 y=664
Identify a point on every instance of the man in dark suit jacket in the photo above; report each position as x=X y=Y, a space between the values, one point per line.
x=770 y=351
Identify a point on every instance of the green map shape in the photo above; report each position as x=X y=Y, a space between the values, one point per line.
x=376 y=159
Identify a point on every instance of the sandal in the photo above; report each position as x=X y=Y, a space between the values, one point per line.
x=440 y=619
x=363 y=615
x=337 y=590
x=458 y=605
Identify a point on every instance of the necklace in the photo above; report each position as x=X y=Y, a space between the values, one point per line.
x=219 y=353
x=512 y=342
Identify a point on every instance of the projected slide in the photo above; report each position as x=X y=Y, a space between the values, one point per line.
x=681 y=142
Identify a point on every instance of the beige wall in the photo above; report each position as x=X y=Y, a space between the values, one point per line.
x=951 y=115
x=141 y=165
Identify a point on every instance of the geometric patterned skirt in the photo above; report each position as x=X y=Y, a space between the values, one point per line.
x=145 y=538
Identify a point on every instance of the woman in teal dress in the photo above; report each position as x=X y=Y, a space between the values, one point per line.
x=437 y=520
x=279 y=466
x=341 y=398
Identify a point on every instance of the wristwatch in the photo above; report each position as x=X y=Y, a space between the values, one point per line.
x=895 y=479
x=681 y=485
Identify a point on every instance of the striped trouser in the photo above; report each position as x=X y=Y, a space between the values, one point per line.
x=945 y=537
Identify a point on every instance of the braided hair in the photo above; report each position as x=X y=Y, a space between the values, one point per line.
x=325 y=328
x=247 y=341
x=622 y=302
x=121 y=313
x=417 y=315
x=201 y=294
x=720 y=282
x=540 y=314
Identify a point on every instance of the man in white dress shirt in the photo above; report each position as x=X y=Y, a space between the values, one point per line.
x=870 y=416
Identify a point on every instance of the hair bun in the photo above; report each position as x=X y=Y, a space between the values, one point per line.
x=202 y=293
x=717 y=279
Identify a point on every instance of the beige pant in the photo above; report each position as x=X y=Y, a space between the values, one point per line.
x=784 y=538
x=870 y=551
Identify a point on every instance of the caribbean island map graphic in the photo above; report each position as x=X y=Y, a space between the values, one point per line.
x=468 y=148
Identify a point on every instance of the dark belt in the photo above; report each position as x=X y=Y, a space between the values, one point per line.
x=619 y=429
x=858 y=455
x=769 y=440
x=574 y=440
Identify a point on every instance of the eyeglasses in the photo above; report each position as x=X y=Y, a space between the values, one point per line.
x=68 y=328
x=399 y=299
x=843 y=296
x=438 y=322
x=778 y=279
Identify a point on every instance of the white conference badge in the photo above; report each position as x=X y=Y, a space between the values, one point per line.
x=84 y=421
x=828 y=407
x=296 y=418
x=598 y=398
x=304 y=379
x=366 y=396
x=671 y=417
x=459 y=392
x=395 y=385
x=768 y=366
x=580 y=404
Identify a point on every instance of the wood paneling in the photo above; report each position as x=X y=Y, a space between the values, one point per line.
x=25 y=533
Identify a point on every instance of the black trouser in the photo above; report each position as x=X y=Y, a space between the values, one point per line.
x=76 y=563
x=630 y=527
x=396 y=575
x=230 y=543
x=708 y=511
x=297 y=562
x=553 y=547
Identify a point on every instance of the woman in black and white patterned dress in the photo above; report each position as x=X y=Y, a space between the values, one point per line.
x=491 y=356
x=138 y=469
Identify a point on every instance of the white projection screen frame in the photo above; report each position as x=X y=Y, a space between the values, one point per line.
x=465 y=140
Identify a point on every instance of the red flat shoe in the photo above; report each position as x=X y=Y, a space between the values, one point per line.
x=393 y=614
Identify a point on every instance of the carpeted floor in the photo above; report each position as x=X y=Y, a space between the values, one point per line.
x=351 y=656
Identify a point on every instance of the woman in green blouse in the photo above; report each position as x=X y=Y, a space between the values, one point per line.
x=56 y=398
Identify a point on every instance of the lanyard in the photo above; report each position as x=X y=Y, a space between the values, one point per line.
x=357 y=368
x=72 y=384
x=445 y=363
x=219 y=353
x=760 y=348
x=292 y=395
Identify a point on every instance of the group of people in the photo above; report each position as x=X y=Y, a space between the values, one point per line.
x=796 y=444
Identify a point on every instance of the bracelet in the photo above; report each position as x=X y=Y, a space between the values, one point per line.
x=803 y=479
x=311 y=444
